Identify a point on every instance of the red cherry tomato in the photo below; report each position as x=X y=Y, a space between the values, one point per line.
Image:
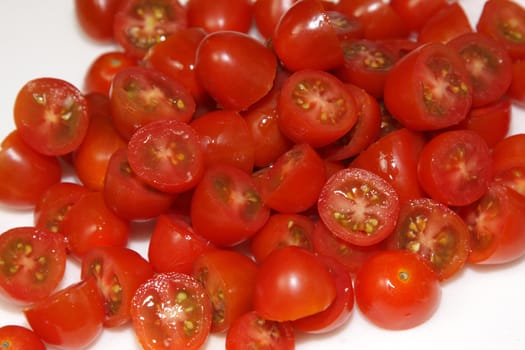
x=14 y=337
x=517 y=86
x=216 y=15
x=33 y=263
x=55 y=323
x=415 y=13
x=95 y=17
x=103 y=69
x=266 y=15
x=445 y=24
x=157 y=325
x=396 y=289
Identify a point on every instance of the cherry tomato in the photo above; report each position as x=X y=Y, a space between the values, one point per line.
x=314 y=107
x=232 y=195
x=33 y=263
x=216 y=15
x=445 y=24
x=437 y=88
x=358 y=206
x=396 y=289
x=252 y=331
x=266 y=14
x=51 y=115
x=517 y=86
x=119 y=271
x=167 y=155
x=171 y=311
x=508 y=153
x=229 y=279
x=14 y=337
x=95 y=17
x=103 y=69
x=235 y=69
x=140 y=24
x=455 y=167
x=174 y=246
x=305 y=38
x=25 y=174
x=55 y=323
x=435 y=232
x=415 y=13
x=140 y=96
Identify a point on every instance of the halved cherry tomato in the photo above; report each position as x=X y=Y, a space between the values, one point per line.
x=508 y=153
x=171 y=311
x=516 y=89
x=292 y=273
x=32 y=263
x=71 y=318
x=397 y=290
x=358 y=206
x=315 y=107
x=167 y=155
x=119 y=271
x=250 y=331
x=435 y=232
x=140 y=24
x=51 y=115
x=14 y=337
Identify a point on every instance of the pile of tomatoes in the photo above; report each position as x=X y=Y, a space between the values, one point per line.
x=287 y=160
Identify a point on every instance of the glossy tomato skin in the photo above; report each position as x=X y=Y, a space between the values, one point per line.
x=153 y=322
x=225 y=139
x=102 y=70
x=91 y=223
x=455 y=167
x=517 y=86
x=504 y=21
x=422 y=74
x=229 y=279
x=508 y=153
x=445 y=24
x=119 y=271
x=13 y=337
x=495 y=225
x=397 y=290
x=305 y=38
x=238 y=207
x=416 y=13
x=54 y=322
x=215 y=15
x=235 y=69
x=175 y=57
x=435 y=232
x=33 y=263
x=174 y=246
x=293 y=183
x=292 y=273
x=358 y=206
x=314 y=107
x=51 y=115
x=25 y=174
x=96 y=18
x=139 y=25
x=266 y=15
x=140 y=96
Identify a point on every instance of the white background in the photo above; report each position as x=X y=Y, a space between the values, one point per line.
x=483 y=308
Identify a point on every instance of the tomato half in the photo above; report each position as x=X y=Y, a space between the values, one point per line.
x=14 y=337
x=358 y=206
x=171 y=311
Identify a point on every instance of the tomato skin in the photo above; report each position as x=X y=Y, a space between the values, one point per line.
x=416 y=13
x=252 y=331
x=25 y=174
x=425 y=106
x=305 y=38
x=508 y=153
x=455 y=167
x=102 y=70
x=33 y=263
x=292 y=273
x=445 y=24
x=51 y=115
x=96 y=18
x=358 y=206
x=225 y=139
x=119 y=271
x=397 y=290
x=517 y=86
x=229 y=279
x=140 y=24
x=435 y=232
x=54 y=322
x=235 y=69
x=13 y=337
x=156 y=327
x=266 y=15
x=314 y=107
x=174 y=246
x=232 y=195
x=215 y=15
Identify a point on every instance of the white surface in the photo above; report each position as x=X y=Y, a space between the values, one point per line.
x=480 y=309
